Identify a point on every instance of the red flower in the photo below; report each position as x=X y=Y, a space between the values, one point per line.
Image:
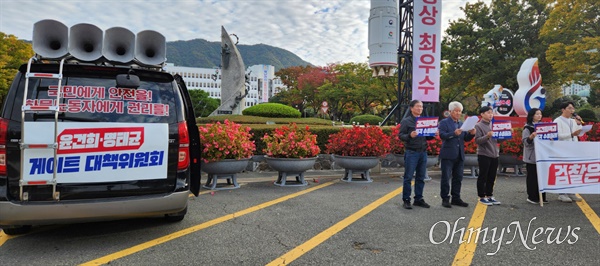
x=291 y=142
x=470 y=147
x=359 y=141
x=396 y=145
x=225 y=141
x=593 y=134
x=434 y=145
x=513 y=146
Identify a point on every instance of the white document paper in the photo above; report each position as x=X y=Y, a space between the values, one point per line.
x=585 y=129
x=469 y=123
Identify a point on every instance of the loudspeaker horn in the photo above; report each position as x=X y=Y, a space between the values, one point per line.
x=50 y=39
x=119 y=44
x=85 y=42
x=150 y=47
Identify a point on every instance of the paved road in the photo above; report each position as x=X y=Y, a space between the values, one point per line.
x=329 y=222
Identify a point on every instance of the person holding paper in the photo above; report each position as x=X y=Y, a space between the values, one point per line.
x=452 y=155
x=415 y=156
x=487 y=157
x=534 y=116
x=568 y=130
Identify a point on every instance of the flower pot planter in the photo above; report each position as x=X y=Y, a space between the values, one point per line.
x=399 y=159
x=356 y=164
x=432 y=160
x=290 y=167
x=510 y=161
x=224 y=169
x=472 y=163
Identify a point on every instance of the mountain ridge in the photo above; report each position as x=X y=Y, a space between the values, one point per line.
x=205 y=54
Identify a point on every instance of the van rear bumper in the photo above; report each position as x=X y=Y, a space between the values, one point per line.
x=40 y=213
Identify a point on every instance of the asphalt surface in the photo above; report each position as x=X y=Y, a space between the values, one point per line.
x=329 y=222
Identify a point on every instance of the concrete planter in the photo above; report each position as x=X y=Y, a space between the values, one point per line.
x=472 y=163
x=510 y=161
x=290 y=167
x=356 y=164
x=224 y=169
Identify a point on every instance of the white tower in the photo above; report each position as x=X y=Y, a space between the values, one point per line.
x=383 y=37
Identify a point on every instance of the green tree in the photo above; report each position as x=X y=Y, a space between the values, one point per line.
x=13 y=53
x=489 y=44
x=573 y=31
x=554 y=109
x=364 y=91
x=594 y=98
x=203 y=104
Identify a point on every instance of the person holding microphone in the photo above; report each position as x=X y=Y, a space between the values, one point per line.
x=569 y=127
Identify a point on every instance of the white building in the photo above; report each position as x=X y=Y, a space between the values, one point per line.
x=263 y=82
x=574 y=88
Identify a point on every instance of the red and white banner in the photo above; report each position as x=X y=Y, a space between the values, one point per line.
x=97 y=152
x=547 y=131
x=427 y=37
x=501 y=129
x=567 y=166
x=426 y=126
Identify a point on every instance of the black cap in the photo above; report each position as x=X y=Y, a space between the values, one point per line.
x=484 y=109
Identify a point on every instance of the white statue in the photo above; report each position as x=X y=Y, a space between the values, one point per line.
x=530 y=94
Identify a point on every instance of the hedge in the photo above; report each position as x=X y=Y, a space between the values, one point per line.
x=272 y=110
x=367 y=119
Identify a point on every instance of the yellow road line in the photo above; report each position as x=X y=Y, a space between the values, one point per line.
x=329 y=232
x=178 y=234
x=4 y=237
x=466 y=250
x=590 y=214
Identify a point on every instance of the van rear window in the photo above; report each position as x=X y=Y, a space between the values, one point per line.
x=99 y=100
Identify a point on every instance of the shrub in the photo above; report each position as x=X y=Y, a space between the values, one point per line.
x=434 y=145
x=593 y=134
x=359 y=141
x=367 y=119
x=272 y=110
x=291 y=142
x=588 y=115
x=225 y=141
x=514 y=145
x=470 y=147
x=396 y=145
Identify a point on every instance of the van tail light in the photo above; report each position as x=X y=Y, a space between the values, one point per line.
x=3 y=137
x=184 y=147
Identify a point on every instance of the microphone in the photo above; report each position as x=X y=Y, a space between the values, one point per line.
x=575 y=116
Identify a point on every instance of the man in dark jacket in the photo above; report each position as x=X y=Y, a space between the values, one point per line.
x=415 y=156
x=452 y=155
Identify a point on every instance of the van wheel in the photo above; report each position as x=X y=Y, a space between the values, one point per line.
x=18 y=230
x=176 y=217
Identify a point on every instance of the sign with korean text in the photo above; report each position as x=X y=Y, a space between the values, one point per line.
x=97 y=99
x=427 y=37
x=501 y=129
x=426 y=126
x=97 y=152
x=547 y=131
x=568 y=166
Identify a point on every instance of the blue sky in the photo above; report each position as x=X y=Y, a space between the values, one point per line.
x=319 y=31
